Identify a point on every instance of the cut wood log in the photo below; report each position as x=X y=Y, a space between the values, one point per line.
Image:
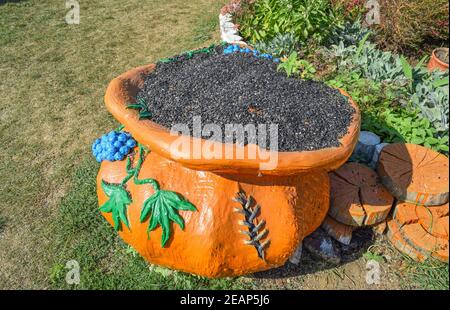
x=405 y=213
x=439 y=211
x=424 y=242
x=423 y=228
x=357 y=196
x=415 y=174
x=395 y=237
x=380 y=228
x=440 y=228
x=433 y=219
x=365 y=147
x=338 y=231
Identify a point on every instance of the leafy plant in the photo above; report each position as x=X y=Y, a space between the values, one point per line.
x=349 y=33
x=431 y=96
x=307 y=20
x=373 y=256
x=426 y=91
x=412 y=73
x=404 y=126
x=307 y=70
x=408 y=26
x=295 y=66
x=352 y=9
x=385 y=111
x=281 y=45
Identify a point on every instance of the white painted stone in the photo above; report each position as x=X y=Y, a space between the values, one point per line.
x=228 y=31
x=297 y=255
x=225 y=17
x=376 y=154
x=231 y=38
x=229 y=28
x=365 y=147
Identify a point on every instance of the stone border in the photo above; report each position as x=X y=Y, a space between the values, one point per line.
x=229 y=32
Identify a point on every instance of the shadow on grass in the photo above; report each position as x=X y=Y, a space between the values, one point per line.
x=362 y=239
x=2 y=223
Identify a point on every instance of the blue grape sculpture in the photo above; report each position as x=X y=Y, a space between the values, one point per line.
x=113 y=146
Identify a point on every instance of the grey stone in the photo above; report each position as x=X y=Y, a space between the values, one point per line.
x=365 y=147
x=297 y=255
x=321 y=245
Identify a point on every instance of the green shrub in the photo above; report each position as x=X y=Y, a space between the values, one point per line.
x=350 y=33
x=352 y=9
x=426 y=91
x=409 y=25
x=280 y=46
x=402 y=125
x=263 y=20
x=298 y=67
x=386 y=111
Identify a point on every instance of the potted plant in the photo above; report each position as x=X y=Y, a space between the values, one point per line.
x=439 y=59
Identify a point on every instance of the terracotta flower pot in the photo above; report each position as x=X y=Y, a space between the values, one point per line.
x=435 y=62
x=281 y=206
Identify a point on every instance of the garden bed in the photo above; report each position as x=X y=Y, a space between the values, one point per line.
x=243 y=88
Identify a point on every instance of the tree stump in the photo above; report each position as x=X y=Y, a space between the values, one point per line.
x=380 y=228
x=414 y=173
x=397 y=240
x=357 y=196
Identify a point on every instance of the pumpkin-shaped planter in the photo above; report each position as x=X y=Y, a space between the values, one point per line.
x=213 y=217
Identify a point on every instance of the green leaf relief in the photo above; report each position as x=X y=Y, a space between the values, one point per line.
x=142 y=107
x=163 y=207
x=117 y=204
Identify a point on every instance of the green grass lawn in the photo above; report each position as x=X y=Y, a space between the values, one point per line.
x=53 y=78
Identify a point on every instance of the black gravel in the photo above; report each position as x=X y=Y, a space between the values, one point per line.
x=242 y=89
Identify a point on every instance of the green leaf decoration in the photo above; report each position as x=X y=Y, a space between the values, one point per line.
x=117 y=204
x=141 y=105
x=162 y=207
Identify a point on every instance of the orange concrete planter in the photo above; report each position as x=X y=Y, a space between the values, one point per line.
x=293 y=199
x=435 y=63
